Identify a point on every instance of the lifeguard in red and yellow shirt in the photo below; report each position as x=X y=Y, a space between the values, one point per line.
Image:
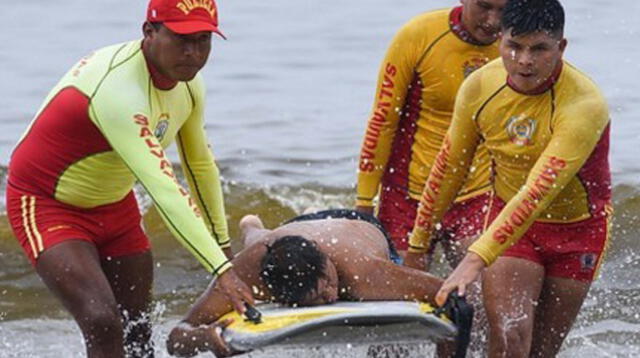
x=424 y=66
x=101 y=129
x=545 y=126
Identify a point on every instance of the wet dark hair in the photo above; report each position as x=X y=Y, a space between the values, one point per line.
x=291 y=269
x=524 y=17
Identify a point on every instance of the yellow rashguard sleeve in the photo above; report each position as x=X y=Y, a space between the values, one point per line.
x=449 y=169
x=394 y=80
x=200 y=168
x=575 y=135
x=121 y=115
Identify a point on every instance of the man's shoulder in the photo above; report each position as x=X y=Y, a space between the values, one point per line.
x=492 y=70
x=108 y=57
x=577 y=83
x=432 y=17
x=485 y=80
x=93 y=71
x=576 y=91
x=125 y=56
x=428 y=24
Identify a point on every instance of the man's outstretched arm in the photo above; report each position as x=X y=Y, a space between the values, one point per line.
x=198 y=330
x=387 y=281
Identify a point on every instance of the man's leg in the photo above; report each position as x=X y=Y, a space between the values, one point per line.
x=511 y=287
x=461 y=226
x=73 y=273
x=397 y=214
x=251 y=230
x=560 y=302
x=131 y=279
x=454 y=252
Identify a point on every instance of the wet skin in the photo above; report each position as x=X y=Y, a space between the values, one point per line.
x=530 y=59
x=177 y=57
x=327 y=289
x=358 y=268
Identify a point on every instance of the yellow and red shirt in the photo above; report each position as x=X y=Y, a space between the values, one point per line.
x=424 y=67
x=549 y=155
x=105 y=125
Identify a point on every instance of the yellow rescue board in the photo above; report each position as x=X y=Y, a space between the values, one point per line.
x=279 y=323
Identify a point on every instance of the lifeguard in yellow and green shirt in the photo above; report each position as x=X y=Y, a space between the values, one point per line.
x=102 y=128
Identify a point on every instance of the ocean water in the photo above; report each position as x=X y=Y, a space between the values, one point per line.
x=288 y=98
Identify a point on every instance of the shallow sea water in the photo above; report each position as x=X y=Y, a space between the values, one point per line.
x=289 y=96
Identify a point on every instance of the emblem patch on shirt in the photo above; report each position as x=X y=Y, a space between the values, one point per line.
x=161 y=127
x=520 y=129
x=473 y=64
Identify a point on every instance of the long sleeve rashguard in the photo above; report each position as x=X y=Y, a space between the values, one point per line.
x=549 y=155
x=421 y=73
x=105 y=125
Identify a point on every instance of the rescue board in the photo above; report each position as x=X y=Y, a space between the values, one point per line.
x=282 y=322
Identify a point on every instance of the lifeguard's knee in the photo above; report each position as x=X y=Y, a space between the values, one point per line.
x=511 y=338
x=101 y=324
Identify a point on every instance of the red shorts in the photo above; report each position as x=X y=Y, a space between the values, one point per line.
x=397 y=213
x=574 y=251
x=41 y=222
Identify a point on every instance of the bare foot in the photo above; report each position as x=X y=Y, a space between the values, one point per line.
x=310 y=210
x=250 y=221
x=248 y=226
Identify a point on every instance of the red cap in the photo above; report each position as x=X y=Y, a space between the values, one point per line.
x=185 y=16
